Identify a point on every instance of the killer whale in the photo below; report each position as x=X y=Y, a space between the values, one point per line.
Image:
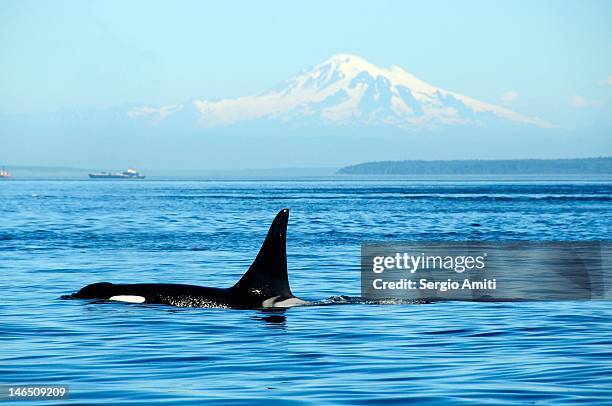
x=265 y=284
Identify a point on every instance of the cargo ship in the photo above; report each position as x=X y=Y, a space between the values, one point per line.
x=129 y=174
x=4 y=174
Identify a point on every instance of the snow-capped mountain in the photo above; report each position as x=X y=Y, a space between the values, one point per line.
x=348 y=90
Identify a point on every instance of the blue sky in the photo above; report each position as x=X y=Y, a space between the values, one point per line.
x=550 y=58
x=70 y=71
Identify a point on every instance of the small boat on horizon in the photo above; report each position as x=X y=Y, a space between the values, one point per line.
x=4 y=174
x=129 y=174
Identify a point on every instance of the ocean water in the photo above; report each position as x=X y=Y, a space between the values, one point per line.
x=57 y=236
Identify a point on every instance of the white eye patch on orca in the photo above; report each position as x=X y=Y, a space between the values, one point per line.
x=128 y=298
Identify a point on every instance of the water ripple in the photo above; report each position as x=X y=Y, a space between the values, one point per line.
x=58 y=236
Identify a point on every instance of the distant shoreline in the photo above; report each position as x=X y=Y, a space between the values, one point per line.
x=577 y=166
x=578 y=169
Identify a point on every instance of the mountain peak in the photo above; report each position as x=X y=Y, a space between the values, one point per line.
x=348 y=60
x=347 y=89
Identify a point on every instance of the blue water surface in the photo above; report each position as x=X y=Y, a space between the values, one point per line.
x=57 y=236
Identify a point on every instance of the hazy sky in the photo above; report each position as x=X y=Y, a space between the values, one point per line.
x=71 y=70
x=551 y=59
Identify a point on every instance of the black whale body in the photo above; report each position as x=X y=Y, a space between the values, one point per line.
x=265 y=283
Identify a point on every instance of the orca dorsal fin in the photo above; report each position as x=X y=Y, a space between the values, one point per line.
x=267 y=275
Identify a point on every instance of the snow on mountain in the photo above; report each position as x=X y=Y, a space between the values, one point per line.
x=348 y=90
